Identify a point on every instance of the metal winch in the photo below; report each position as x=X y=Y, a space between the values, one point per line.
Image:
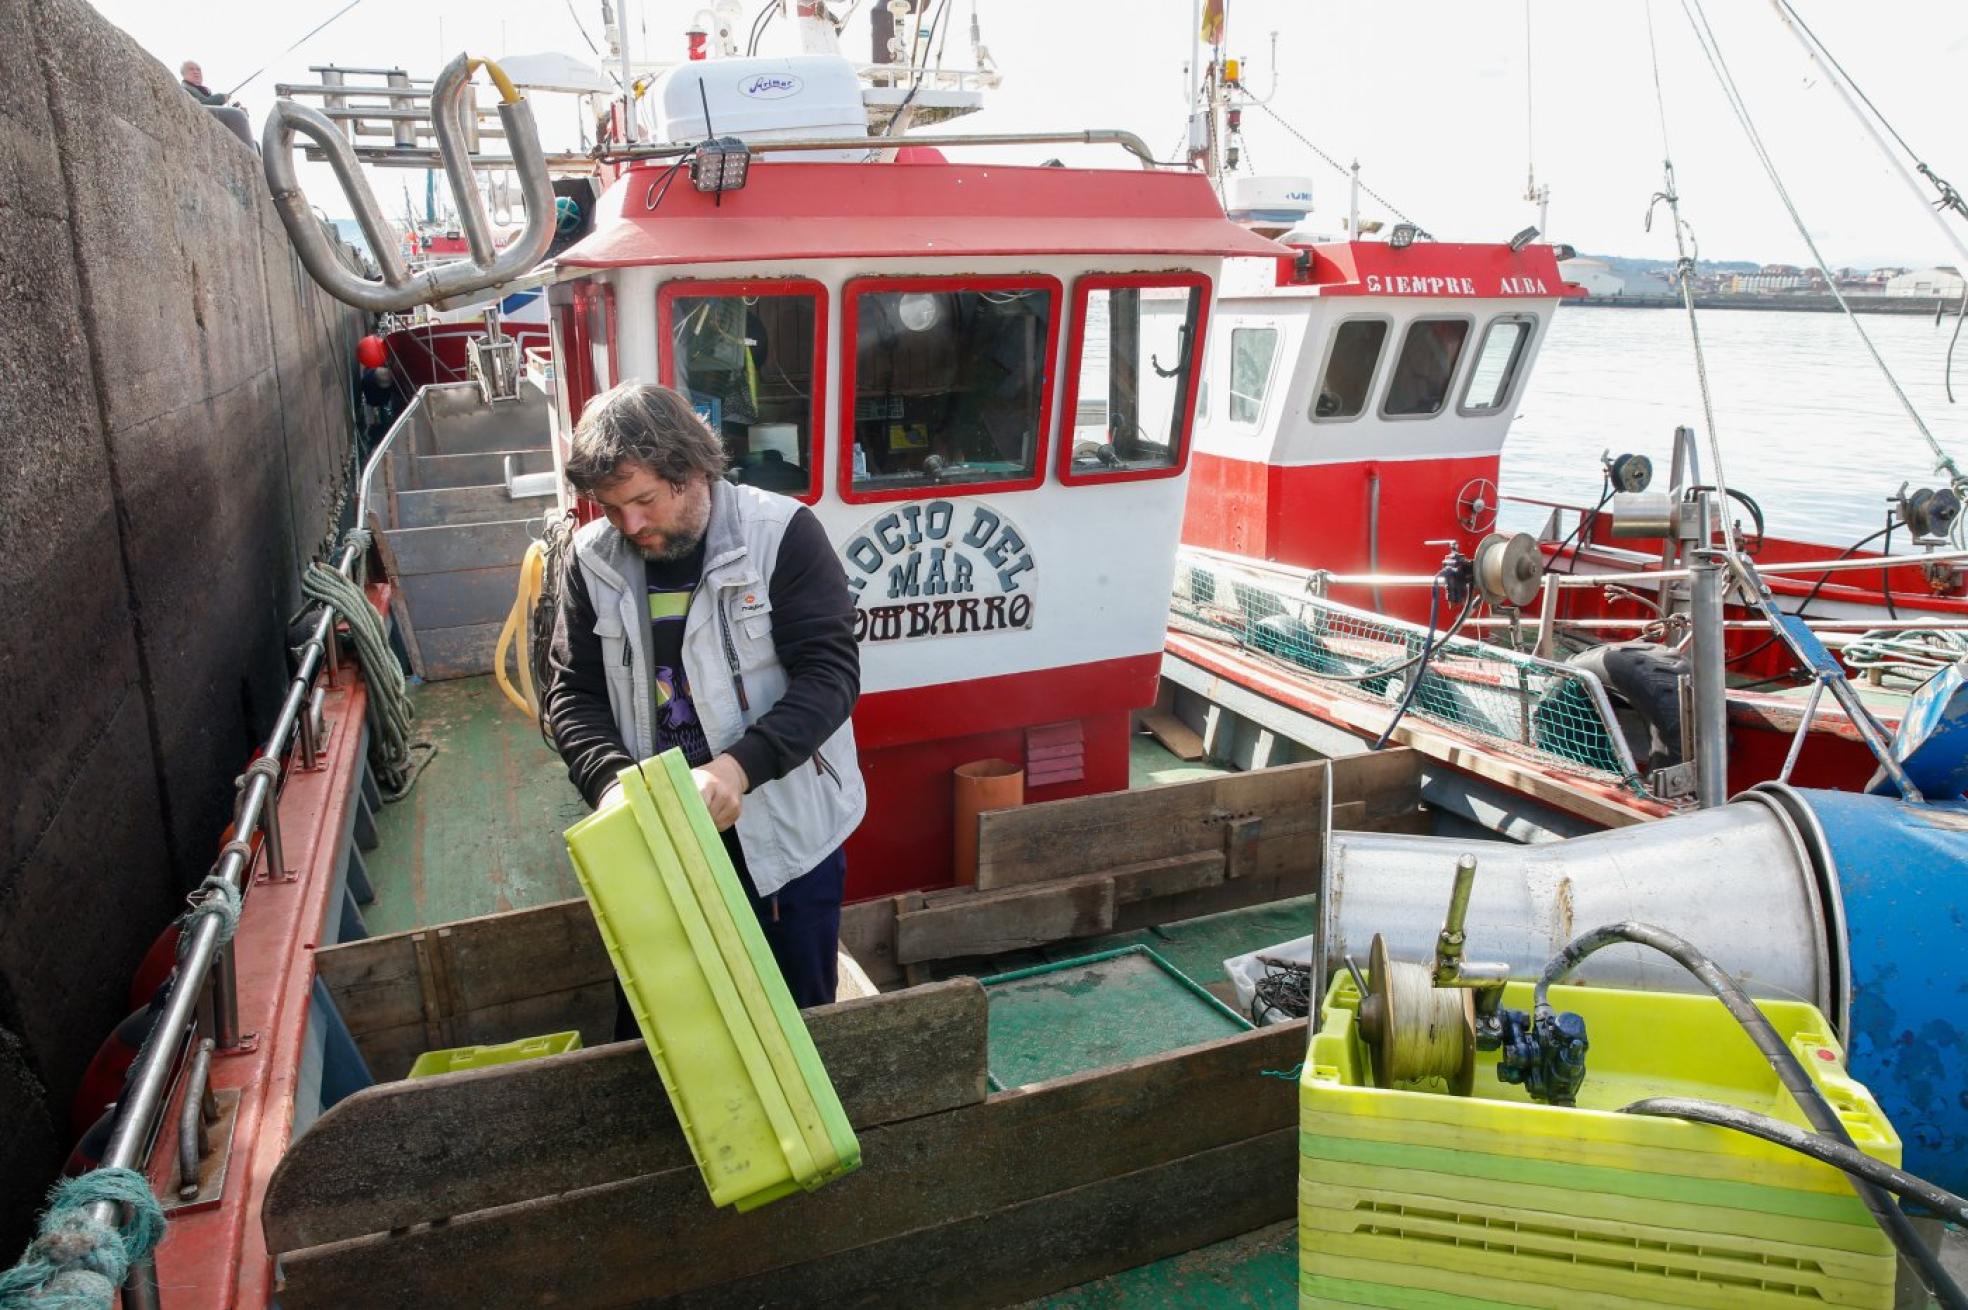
x=1424 y=1022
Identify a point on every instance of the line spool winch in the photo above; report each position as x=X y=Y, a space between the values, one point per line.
x=1415 y=1030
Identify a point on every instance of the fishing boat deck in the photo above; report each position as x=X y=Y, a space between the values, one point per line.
x=480 y=831
x=480 y=834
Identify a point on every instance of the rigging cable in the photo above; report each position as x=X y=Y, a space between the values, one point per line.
x=1712 y=50
x=1685 y=272
x=1337 y=166
x=292 y=48
x=1947 y=372
x=593 y=49
x=1949 y=197
x=759 y=24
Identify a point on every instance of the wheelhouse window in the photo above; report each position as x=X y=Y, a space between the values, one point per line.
x=1252 y=353
x=747 y=355
x=1132 y=374
x=597 y=308
x=948 y=385
x=1350 y=365
x=1425 y=368
x=1498 y=361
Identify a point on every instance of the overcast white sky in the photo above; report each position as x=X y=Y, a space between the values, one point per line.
x=1428 y=94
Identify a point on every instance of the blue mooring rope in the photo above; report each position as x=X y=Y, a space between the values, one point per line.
x=216 y=897
x=78 y=1262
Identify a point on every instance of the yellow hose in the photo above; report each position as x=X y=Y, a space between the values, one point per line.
x=507 y=91
x=519 y=629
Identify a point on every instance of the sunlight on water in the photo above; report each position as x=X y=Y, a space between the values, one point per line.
x=1809 y=426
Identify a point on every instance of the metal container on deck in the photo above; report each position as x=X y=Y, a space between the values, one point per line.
x=1739 y=882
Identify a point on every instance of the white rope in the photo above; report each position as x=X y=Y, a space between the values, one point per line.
x=1427 y=1039
x=1712 y=50
x=1906 y=657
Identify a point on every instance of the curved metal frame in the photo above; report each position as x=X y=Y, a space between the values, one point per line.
x=400 y=288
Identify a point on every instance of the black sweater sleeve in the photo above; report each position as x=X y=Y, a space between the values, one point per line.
x=813 y=631
x=575 y=699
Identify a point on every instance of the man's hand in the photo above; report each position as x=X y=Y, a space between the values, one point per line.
x=609 y=797
x=722 y=784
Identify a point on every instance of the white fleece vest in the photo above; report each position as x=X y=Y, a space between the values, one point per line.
x=786 y=826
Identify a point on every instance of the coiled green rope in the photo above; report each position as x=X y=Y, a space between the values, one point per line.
x=78 y=1262
x=390 y=711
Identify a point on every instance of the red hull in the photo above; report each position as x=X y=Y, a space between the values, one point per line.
x=1319 y=516
x=911 y=740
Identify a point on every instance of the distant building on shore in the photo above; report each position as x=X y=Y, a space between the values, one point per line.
x=1943 y=281
x=1595 y=275
x=1864 y=281
x=1773 y=279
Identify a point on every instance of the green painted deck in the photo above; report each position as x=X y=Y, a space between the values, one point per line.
x=1151 y=764
x=480 y=832
x=1094 y=1012
x=1258 y=1269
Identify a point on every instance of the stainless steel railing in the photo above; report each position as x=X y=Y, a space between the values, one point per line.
x=204 y=959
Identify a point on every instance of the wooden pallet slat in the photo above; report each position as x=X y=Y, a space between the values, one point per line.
x=411 y=1152
x=1053 y=839
x=657 y=1236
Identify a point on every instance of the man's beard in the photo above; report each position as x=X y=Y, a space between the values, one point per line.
x=680 y=543
x=673 y=548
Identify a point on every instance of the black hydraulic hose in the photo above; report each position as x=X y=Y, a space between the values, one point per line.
x=1748 y=503
x=1430 y=648
x=1886 y=570
x=1551 y=565
x=1790 y=1072
x=1819 y=1147
x=1812 y=594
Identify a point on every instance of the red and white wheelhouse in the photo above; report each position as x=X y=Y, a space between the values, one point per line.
x=1357 y=400
x=982 y=380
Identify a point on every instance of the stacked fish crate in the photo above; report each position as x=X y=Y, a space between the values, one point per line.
x=1417 y=1199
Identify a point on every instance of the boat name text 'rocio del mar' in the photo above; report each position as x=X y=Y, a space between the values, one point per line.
x=937 y=569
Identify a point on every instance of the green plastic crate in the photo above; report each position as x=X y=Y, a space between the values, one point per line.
x=460 y=1058
x=1463 y=1181
x=1643 y=1262
x=755 y=1104
x=1557 y=1285
x=1415 y=1198
x=1643 y=1044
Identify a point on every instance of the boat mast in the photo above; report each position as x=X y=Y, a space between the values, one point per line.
x=617 y=36
x=1537 y=195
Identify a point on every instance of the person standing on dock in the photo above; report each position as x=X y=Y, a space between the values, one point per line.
x=714 y=619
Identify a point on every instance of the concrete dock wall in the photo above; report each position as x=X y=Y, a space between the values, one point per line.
x=1783 y=302
x=174 y=435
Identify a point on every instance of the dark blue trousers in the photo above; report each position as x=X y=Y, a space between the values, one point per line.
x=802 y=926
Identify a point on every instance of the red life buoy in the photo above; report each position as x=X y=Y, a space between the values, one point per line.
x=370 y=352
x=90 y=1145
x=158 y=961
x=102 y=1081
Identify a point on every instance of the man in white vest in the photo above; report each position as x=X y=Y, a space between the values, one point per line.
x=714 y=619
